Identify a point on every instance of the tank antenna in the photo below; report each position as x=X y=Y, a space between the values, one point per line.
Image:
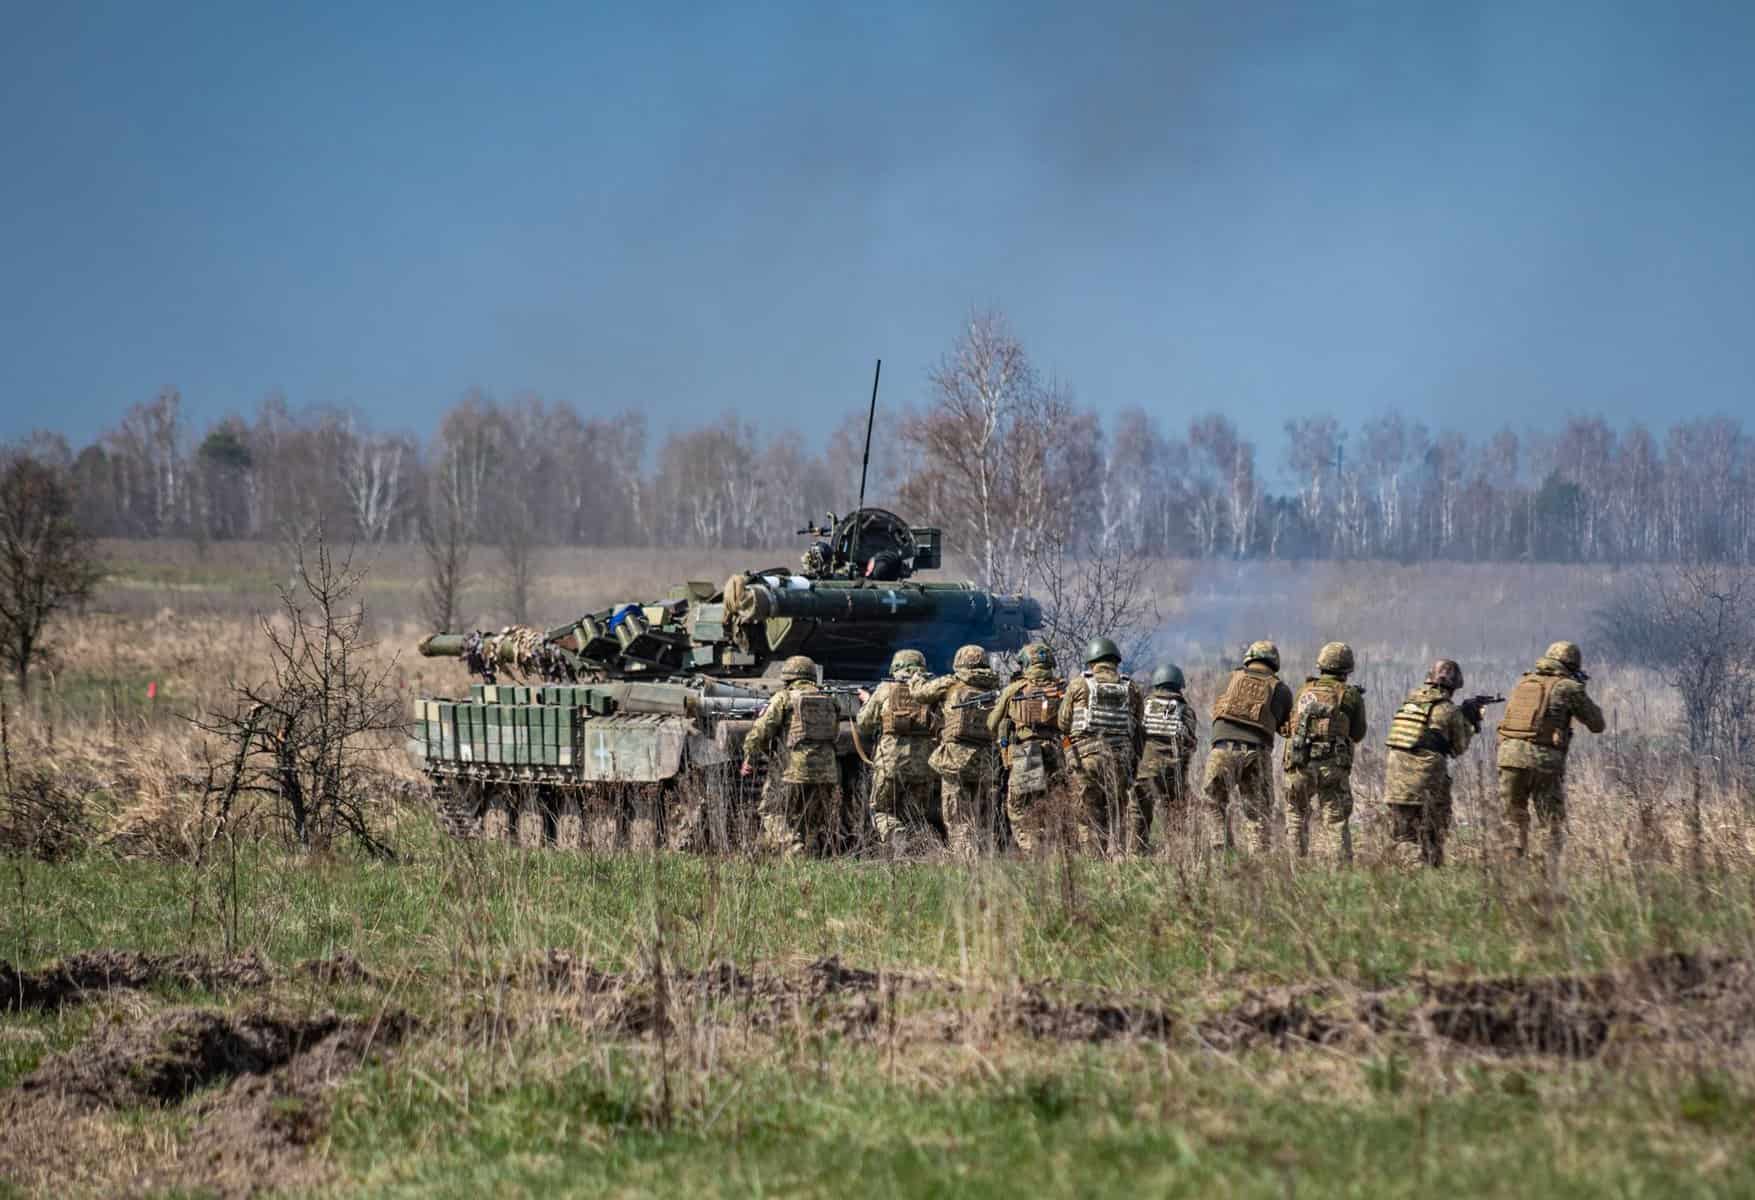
x=870 y=417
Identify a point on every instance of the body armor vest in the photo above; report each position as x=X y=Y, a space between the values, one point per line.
x=966 y=724
x=903 y=715
x=1530 y=715
x=1248 y=699
x=1320 y=726
x=1411 y=727
x=1036 y=708
x=1166 y=718
x=1107 y=711
x=814 y=718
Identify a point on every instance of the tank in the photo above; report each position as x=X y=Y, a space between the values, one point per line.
x=625 y=726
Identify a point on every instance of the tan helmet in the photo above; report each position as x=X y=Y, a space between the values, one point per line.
x=969 y=658
x=1265 y=652
x=799 y=666
x=907 y=660
x=1566 y=654
x=1445 y=673
x=1037 y=654
x=1335 y=658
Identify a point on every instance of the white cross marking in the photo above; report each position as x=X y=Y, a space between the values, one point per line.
x=894 y=601
x=602 y=754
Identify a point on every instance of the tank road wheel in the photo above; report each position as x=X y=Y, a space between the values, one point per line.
x=569 y=822
x=530 y=823
x=497 y=818
x=602 y=818
x=645 y=816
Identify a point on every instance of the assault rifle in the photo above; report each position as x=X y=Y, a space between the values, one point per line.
x=1471 y=708
x=978 y=700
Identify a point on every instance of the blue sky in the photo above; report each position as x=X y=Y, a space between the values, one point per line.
x=1500 y=213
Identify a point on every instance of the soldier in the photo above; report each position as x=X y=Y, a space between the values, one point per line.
x=1253 y=706
x=1102 y=714
x=1328 y=719
x=1427 y=731
x=1533 y=739
x=1160 y=782
x=904 y=788
x=1025 y=722
x=801 y=810
x=966 y=759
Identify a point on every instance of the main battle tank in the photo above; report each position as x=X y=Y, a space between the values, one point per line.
x=627 y=724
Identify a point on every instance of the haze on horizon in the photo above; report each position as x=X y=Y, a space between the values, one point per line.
x=1500 y=213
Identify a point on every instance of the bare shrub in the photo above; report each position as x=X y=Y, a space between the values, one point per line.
x=47 y=563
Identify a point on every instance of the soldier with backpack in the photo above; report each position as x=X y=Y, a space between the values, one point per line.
x=966 y=758
x=1426 y=733
x=904 y=787
x=1025 y=720
x=1160 y=782
x=1102 y=717
x=1534 y=738
x=801 y=807
x=1328 y=720
x=1253 y=707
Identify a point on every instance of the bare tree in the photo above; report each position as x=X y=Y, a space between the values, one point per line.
x=1092 y=586
x=47 y=562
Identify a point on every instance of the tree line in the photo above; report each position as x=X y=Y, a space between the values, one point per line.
x=1012 y=464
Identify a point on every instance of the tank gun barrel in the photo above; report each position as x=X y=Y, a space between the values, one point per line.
x=441 y=645
x=901 y=605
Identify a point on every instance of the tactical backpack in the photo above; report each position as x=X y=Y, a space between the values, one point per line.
x=1035 y=708
x=905 y=716
x=966 y=724
x=1107 y=711
x=1029 y=768
x=1166 y=719
x=1530 y=714
x=1411 y=727
x=1248 y=699
x=814 y=720
x=1320 y=728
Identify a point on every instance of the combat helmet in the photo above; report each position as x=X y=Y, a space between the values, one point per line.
x=906 y=661
x=969 y=658
x=1101 y=649
x=1039 y=655
x=1169 y=675
x=799 y=666
x=1566 y=654
x=1263 y=652
x=1336 y=658
x=1445 y=673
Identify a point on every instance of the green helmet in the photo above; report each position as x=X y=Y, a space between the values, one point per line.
x=1566 y=654
x=799 y=666
x=1101 y=649
x=907 y=660
x=969 y=658
x=1265 y=652
x=1335 y=658
x=1169 y=675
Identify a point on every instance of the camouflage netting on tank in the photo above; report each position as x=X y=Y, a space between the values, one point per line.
x=518 y=649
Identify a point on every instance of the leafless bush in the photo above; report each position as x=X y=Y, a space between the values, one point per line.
x=1093 y=587
x=301 y=735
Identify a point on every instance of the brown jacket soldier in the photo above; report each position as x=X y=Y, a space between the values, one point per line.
x=1026 y=723
x=904 y=788
x=801 y=806
x=1171 y=730
x=1327 y=721
x=966 y=757
x=1102 y=716
x=1253 y=707
x=1534 y=736
x=1427 y=731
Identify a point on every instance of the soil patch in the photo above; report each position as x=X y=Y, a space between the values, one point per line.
x=73 y=978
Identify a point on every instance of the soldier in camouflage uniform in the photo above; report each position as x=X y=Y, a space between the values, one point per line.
x=1252 y=708
x=1427 y=731
x=1025 y=722
x=801 y=808
x=1103 y=716
x=967 y=760
x=1328 y=720
x=904 y=787
x=1160 y=782
x=1534 y=737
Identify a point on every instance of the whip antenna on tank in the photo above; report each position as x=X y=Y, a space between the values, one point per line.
x=865 y=463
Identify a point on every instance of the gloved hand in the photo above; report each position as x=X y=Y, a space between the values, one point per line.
x=746 y=770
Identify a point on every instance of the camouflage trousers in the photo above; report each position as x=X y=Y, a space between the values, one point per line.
x=803 y=818
x=1243 y=773
x=1102 y=783
x=1425 y=826
x=905 y=811
x=1323 y=791
x=1524 y=788
x=968 y=779
x=1033 y=793
x=1161 y=794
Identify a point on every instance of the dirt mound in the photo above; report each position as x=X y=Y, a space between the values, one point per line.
x=68 y=981
x=1036 y=1012
x=338 y=969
